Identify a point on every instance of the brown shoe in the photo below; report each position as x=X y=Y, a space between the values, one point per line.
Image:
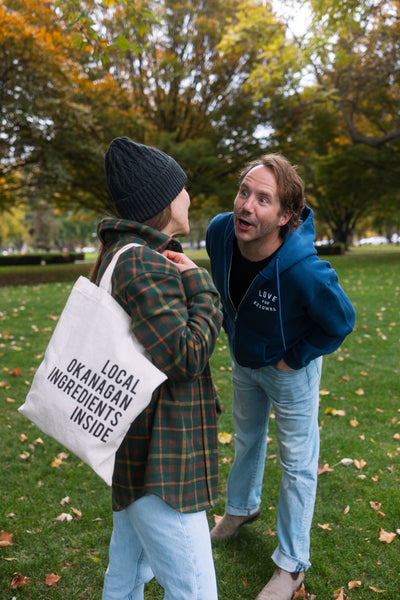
x=229 y=525
x=282 y=585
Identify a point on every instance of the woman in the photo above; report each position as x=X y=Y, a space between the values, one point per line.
x=165 y=474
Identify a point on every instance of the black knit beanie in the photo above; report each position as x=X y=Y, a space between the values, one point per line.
x=142 y=180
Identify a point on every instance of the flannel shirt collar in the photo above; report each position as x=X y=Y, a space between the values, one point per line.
x=111 y=231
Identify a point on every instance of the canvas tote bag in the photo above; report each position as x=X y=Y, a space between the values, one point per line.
x=95 y=377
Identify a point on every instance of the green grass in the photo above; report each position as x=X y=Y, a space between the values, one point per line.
x=361 y=379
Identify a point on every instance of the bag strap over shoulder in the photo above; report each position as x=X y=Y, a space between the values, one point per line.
x=105 y=281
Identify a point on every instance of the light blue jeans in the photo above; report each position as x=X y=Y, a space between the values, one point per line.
x=294 y=396
x=151 y=539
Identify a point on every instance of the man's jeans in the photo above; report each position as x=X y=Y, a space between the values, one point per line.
x=151 y=539
x=294 y=396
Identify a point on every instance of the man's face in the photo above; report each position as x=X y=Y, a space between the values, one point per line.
x=257 y=209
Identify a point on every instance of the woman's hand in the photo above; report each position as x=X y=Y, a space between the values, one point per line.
x=180 y=260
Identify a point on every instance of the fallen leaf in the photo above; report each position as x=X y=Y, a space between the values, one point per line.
x=385 y=536
x=217 y=519
x=62 y=455
x=5 y=539
x=15 y=372
x=77 y=512
x=64 y=517
x=18 y=581
x=335 y=412
x=301 y=593
x=324 y=469
x=52 y=579
x=340 y=595
x=224 y=437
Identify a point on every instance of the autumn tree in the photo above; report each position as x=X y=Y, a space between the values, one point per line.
x=341 y=119
x=57 y=110
x=172 y=74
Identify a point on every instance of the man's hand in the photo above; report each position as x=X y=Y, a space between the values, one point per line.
x=180 y=260
x=282 y=366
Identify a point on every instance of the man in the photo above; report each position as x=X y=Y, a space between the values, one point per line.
x=283 y=309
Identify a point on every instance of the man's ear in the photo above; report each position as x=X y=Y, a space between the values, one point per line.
x=285 y=218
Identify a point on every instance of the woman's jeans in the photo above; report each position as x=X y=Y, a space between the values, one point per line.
x=151 y=539
x=294 y=396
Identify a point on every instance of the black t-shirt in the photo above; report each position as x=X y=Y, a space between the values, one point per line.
x=243 y=272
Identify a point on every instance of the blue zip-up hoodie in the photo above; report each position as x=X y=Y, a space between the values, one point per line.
x=294 y=309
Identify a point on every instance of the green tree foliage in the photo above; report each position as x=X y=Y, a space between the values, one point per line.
x=343 y=119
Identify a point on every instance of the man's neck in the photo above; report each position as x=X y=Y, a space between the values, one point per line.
x=259 y=249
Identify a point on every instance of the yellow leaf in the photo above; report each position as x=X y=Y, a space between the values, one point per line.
x=224 y=437
x=335 y=412
x=340 y=595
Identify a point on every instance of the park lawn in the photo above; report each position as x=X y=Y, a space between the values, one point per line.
x=356 y=503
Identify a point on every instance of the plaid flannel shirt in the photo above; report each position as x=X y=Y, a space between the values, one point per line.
x=171 y=448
